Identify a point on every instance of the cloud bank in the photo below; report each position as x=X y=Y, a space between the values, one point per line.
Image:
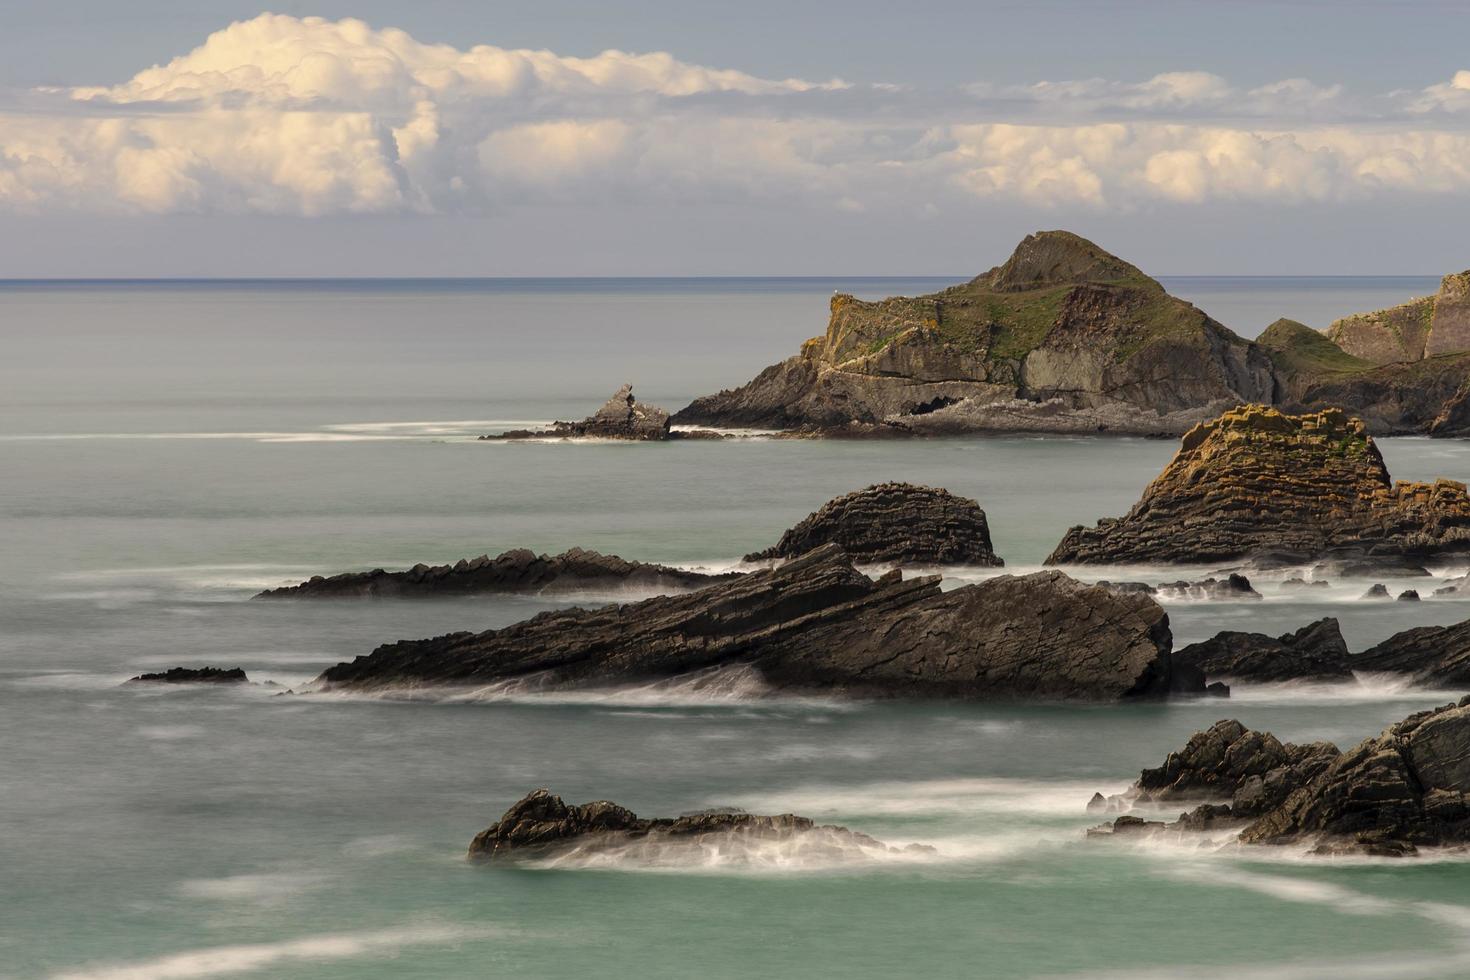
x=305 y=116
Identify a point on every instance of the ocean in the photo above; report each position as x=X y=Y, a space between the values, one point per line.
x=168 y=449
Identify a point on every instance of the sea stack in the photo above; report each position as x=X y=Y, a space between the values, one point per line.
x=1295 y=488
x=896 y=523
x=621 y=417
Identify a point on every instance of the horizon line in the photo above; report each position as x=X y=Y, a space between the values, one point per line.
x=64 y=280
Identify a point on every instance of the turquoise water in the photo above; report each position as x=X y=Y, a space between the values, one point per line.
x=166 y=451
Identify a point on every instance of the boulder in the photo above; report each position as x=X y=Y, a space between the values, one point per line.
x=541 y=825
x=894 y=522
x=519 y=570
x=194 y=675
x=1298 y=488
x=1409 y=595
x=1314 y=652
x=817 y=625
x=1377 y=591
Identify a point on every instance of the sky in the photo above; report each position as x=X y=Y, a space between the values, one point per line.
x=653 y=137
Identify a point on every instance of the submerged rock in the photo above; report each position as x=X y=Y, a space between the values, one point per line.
x=194 y=675
x=894 y=522
x=1404 y=789
x=1314 y=652
x=542 y=825
x=1233 y=586
x=1297 y=488
x=1409 y=595
x=815 y=624
x=519 y=570
x=622 y=417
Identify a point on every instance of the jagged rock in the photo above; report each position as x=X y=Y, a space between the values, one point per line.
x=816 y=624
x=622 y=417
x=519 y=570
x=543 y=825
x=1062 y=337
x=1256 y=481
x=1377 y=591
x=1314 y=652
x=194 y=675
x=1404 y=789
x=1409 y=595
x=894 y=522
x=1414 y=331
x=1253 y=770
x=1432 y=656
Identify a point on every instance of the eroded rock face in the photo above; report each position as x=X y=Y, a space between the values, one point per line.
x=817 y=625
x=542 y=825
x=1255 y=481
x=519 y=570
x=894 y=522
x=622 y=417
x=194 y=675
x=1062 y=337
x=1314 y=652
x=1414 y=331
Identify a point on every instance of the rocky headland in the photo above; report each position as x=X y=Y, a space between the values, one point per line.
x=894 y=522
x=815 y=624
x=1389 y=795
x=541 y=825
x=519 y=570
x=1258 y=485
x=1065 y=337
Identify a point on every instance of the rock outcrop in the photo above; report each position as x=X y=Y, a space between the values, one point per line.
x=1256 y=482
x=1414 y=331
x=1430 y=656
x=1062 y=337
x=1314 y=652
x=817 y=625
x=519 y=570
x=894 y=522
x=1404 y=789
x=541 y=825
x=1232 y=587
x=622 y=417
x=194 y=675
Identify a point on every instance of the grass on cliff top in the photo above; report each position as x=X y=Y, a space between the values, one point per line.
x=1297 y=348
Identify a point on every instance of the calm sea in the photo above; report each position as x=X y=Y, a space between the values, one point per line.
x=167 y=449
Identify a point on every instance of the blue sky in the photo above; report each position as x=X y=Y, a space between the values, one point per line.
x=567 y=138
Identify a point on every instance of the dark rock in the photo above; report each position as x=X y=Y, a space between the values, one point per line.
x=816 y=624
x=894 y=522
x=1299 y=584
x=1409 y=595
x=194 y=675
x=1257 y=481
x=519 y=570
x=1315 y=652
x=1378 y=591
x=1434 y=656
x=1138 y=588
x=1234 y=586
x=622 y=417
x=542 y=825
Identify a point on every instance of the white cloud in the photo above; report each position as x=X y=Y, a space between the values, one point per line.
x=286 y=115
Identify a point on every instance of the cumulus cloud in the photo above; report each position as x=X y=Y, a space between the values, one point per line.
x=305 y=116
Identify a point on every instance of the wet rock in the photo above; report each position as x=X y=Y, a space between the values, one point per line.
x=1432 y=656
x=519 y=570
x=815 y=624
x=1314 y=652
x=894 y=522
x=1409 y=595
x=1234 y=586
x=543 y=825
x=1377 y=591
x=1299 y=584
x=621 y=417
x=1300 y=488
x=194 y=675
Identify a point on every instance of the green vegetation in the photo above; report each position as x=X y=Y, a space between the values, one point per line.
x=1298 y=349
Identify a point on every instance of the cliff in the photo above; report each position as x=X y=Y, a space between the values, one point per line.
x=1413 y=331
x=1062 y=333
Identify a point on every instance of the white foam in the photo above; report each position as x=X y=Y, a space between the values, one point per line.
x=228 y=960
x=1364 y=687
x=1054 y=798
x=260 y=889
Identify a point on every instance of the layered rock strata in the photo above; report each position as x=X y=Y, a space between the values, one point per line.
x=894 y=522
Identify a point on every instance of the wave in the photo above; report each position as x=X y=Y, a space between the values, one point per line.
x=937 y=797
x=446 y=431
x=215 y=961
x=1364 y=687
